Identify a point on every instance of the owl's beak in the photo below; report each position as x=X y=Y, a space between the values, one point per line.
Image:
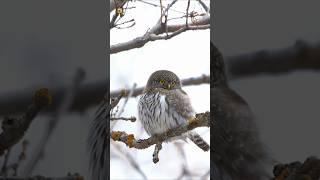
x=169 y=86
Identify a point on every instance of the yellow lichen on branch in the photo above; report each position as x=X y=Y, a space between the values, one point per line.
x=42 y=97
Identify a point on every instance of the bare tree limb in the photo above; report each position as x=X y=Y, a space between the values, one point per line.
x=294 y=58
x=160 y=28
x=201 y=120
x=204 y=79
x=15 y=128
x=75 y=177
x=88 y=95
x=300 y=56
x=132 y=119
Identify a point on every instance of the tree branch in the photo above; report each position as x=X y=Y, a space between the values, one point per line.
x=15 y=128
x=201 y=120
x=204 y=79
x=87 y=96
x=160 y=28
x=75 y=177
x=300 y=56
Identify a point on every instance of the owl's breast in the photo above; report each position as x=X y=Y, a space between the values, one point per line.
x=157 y=114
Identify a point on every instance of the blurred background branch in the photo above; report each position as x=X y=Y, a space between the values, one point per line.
x=301 y=56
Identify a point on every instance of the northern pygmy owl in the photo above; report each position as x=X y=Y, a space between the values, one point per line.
x=164 y=105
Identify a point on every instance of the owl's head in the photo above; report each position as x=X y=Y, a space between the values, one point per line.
x=164 y=79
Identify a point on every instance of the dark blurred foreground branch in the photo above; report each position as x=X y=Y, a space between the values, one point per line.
x=15 y=128
x=201 y=120
x=309 y=170
x=86 y=96
x=75 y=177
x=204 y=79
x=300 y=56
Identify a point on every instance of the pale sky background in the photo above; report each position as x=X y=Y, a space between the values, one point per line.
x=188 y=56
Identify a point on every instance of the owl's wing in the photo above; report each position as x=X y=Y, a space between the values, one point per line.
x=179 y=101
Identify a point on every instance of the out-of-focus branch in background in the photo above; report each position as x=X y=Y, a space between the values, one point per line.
x=71 y=177
x=15 y=128
x=87 y=95
x=300 y=56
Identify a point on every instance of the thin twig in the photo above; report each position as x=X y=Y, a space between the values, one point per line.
x=130 y=159
x=127 y=95
x=204 y=6
x=187 y=12
x=4 y=169
x=159 y=29
x=127 y=99
x=132 y=119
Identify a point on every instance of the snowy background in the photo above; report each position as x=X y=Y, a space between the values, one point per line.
x=187 y=55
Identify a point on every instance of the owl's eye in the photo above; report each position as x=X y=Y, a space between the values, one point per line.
x=173 y=83
x=161 y=81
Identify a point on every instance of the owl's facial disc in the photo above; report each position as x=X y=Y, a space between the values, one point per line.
x=167 y=84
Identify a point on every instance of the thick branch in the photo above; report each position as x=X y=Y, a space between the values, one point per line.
x=14 y=128
x=201 y=120
x=204 y=79
x=88 y=95
x=300 y=56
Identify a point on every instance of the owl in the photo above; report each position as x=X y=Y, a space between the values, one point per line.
x=164 y=105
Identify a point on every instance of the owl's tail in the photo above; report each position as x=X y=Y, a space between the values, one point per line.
x=98 y=145
x=197 y=139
